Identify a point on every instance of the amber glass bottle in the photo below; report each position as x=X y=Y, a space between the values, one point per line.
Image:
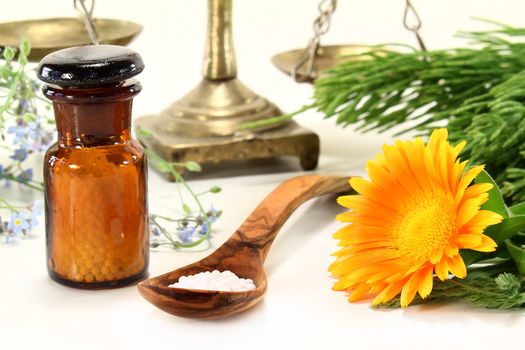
x=95 y=175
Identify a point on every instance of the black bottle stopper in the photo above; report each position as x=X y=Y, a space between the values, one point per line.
x=91 y=65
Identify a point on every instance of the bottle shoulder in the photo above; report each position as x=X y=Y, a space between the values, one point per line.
x=119 y=155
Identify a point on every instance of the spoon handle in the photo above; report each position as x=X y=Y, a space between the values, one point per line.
x=261 y=227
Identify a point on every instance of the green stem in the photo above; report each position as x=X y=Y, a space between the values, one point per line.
x=12 y=91
x=30 y=184
x=275 y=120
x=188 y=218
x=8 y=206
x=165 y=233
x=467 y=286
x=180 y=179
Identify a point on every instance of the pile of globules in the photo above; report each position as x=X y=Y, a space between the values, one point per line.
x=225 y=281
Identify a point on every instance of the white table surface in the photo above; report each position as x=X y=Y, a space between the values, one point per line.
x=299 y=309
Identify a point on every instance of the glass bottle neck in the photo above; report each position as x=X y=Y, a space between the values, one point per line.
x=90 y=117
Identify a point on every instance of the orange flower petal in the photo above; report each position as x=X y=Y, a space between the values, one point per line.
x=469 y=208
x=389 y=292
x=359 y=293
x=469 y=241
x=457 y=267
x=426 y=281
x=409 y=290
x=442 y=269
x=487 y=245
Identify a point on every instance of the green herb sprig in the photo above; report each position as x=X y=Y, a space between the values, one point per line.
x=25 y=128
x=382 y=88
x=186 y=227
x=504 y=291
x=477 y=92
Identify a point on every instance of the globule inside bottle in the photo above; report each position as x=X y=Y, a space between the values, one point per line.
x=95 y=179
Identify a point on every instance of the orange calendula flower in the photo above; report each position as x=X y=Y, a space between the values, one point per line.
x=410 y=220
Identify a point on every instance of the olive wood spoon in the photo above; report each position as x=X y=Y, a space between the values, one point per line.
x=243 y=254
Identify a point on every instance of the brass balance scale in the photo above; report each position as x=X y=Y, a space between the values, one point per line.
x=206 y=125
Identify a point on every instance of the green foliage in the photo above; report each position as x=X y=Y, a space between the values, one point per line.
x=9 y=54
x=478 y=92
x=144 y=132
x=382 y=88
x=516 y=248
x=518 y=209
x=25 y=124
x=186 y=208
x=494 y=126
x=505 y=291
x=25 y=48
x=192 y=166
x=215 y=189
x=495 y=203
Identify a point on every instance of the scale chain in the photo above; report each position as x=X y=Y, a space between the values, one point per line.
x=414 y=28
x=321 y=26
x=87 y=17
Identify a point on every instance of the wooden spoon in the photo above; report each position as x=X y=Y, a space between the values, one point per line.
x=243 y=253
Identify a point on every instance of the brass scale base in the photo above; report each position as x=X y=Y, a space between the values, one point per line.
x=291 y=140
x=206 y=125
x=201 y=129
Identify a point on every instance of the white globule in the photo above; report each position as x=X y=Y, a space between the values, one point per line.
x=225 y=281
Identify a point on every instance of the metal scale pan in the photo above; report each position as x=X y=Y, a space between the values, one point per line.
x=51 y=34
x=307 y=64
x=326 y=57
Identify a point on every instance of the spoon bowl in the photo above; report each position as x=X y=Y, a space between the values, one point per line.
x=243 y=254
x=194 y=303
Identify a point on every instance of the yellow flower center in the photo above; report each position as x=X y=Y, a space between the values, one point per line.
x=18 y=222
x=425 y=228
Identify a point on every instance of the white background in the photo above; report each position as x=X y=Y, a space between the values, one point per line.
x=299 y=310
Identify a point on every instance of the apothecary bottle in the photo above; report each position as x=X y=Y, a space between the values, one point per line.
x=95 y=175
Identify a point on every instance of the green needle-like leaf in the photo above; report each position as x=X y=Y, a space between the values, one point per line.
x=478 y=92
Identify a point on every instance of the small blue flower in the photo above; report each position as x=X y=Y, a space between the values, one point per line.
x=20 y=154
x=213 y=214
x=26 y=175
x=185 y=233
x=37 y=207
x=38 y=137
x=19 y=130
x=17 y=224
x=155 y=231
x=33 y=220
x=33 y=130
x=36 y=211
x=204 y=228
